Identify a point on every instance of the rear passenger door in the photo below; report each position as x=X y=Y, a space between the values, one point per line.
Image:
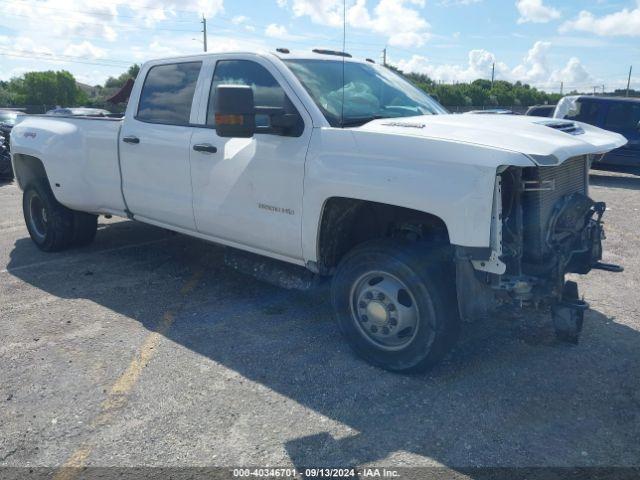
x=155 y=144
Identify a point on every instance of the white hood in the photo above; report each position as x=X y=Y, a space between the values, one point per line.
x=545 y=141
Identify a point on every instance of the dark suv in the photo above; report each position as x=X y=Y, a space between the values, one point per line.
x=7 y=120
x=617 y=114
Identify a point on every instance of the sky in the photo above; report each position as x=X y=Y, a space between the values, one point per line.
x=550 y=44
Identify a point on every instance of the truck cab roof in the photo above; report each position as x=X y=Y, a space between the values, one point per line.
x=281 y=53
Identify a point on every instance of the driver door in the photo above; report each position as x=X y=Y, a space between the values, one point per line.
x=248 y=191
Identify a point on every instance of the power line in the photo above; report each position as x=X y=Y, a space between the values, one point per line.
x=58 y=60
x=114 y=26
x=62 y=57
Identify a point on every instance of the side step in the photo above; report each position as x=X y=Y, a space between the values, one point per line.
x=278 y=273
x=608 y=267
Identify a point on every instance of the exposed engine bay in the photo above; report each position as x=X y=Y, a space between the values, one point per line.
x=545 y=226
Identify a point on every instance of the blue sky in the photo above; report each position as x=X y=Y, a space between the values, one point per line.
x=542 y=42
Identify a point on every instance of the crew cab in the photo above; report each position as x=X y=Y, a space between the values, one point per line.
x=336 y=168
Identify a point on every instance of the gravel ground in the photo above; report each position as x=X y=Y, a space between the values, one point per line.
x=144 y=349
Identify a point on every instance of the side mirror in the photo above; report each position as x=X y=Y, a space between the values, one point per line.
x=235 y=111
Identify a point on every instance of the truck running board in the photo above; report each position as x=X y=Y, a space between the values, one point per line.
x=275 y=272
x=608 y=267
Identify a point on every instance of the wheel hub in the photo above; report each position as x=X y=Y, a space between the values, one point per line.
x=38 y=217
x=384 y=310
x=377 y=313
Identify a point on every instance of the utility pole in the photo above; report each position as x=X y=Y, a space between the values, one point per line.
x=629 y=80
x=603 y=89
x=204 y=31
x=384 y=56
x=594 y=90
x=561 y=87
x=493 y=73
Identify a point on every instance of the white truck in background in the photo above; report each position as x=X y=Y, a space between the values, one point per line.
x=340 y=168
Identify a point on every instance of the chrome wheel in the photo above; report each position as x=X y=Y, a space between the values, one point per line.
x=385 y=310
x=38 y=217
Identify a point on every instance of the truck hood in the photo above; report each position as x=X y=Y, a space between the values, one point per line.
x=545 y=141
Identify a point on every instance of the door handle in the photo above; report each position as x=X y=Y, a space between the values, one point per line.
x=205 y=147
x=131 y=139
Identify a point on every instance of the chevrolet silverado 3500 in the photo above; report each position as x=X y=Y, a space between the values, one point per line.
x=341 y=168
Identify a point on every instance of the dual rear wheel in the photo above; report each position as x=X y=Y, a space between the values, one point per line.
x=51 y=225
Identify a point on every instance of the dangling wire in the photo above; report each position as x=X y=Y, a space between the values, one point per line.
x=344 y=49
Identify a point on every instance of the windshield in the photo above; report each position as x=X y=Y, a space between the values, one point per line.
x=370 y=92
x=8 y=118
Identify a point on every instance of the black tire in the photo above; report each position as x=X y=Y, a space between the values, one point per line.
x=50 y=223
x=85 y=226
x=429 y=282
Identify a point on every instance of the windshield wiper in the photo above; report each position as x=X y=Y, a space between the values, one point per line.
x=359 y=121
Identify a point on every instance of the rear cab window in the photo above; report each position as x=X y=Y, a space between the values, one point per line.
x=167 y=93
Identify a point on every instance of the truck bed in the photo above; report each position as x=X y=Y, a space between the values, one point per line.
x=82 y=158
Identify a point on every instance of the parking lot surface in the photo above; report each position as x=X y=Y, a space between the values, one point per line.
x=144 y=349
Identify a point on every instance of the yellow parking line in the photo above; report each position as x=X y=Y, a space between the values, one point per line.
x=69 y=470
x=117 y=395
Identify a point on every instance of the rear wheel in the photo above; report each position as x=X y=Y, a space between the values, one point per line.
x=51 y=225
x=395 y=303
x=85 y=226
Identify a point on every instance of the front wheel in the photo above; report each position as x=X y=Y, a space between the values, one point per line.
x=395 y=303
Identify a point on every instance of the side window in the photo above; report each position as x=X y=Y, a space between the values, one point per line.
x=587 y=112
x=622 y=116
x=267 y=92
x=167 y=93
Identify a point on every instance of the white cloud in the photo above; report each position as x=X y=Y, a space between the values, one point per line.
x=86 y=50
x=479 y=65
x=535 y=11
x=534 y=68
x=448 y=3
x=387 y=16
x=276 y=31
x=398 y=20
x=623 y=23
x=97 y=18
x=573 y=74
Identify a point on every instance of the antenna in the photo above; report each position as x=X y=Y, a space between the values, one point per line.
x=344 y=49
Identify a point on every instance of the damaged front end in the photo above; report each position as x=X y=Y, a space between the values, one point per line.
x=544 y=227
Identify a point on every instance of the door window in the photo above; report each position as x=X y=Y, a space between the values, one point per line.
x=267 y=92
x=585 y=111
x=623 y=116
x=167 y=93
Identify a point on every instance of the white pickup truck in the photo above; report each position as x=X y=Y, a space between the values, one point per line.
x=341 y=168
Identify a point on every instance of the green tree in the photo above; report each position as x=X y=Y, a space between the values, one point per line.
x=47 y=88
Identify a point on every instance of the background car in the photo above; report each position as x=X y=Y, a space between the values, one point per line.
x=541 y=111
x=617 y=114
x=7 y=121
x=80 y=112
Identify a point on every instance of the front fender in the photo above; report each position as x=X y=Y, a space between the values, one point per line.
x=452 y=181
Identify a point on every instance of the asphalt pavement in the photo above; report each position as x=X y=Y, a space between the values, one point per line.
x=144 y=349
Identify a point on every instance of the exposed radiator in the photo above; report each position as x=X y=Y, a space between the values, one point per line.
x=544 y=187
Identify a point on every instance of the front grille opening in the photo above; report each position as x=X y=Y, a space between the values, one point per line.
x=538 y=204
